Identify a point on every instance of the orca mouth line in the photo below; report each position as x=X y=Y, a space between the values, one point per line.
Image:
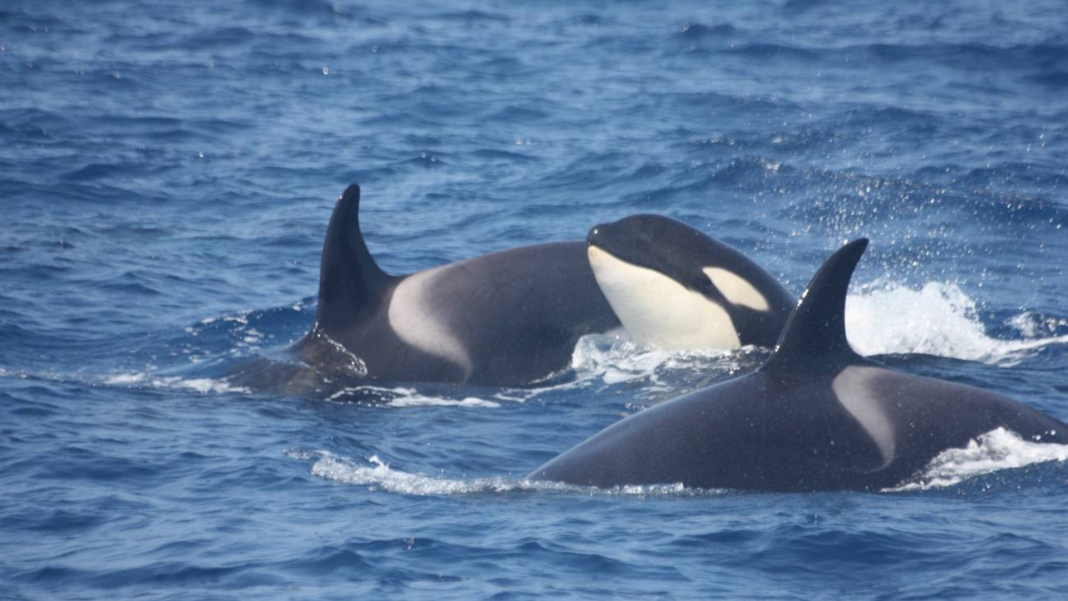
x=600 y=258
x=590 y=245
x=596 y=235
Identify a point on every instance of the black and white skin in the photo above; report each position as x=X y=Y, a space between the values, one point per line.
x=815 y=416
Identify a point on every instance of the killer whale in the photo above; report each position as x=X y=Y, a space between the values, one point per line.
x=675 y=288
x=506 y=318
x=815 y=416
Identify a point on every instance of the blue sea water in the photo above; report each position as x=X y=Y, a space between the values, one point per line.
x=167 y=170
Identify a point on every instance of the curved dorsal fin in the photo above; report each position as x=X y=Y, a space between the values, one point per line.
x=349 y=275
x=817 y=325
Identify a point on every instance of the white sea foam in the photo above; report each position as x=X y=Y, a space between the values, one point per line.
x=201 y=385
x=124 y=379
x=937 y=319
x=409 y=397
x=417 y=400
x=1032 y=325
x=996 y=450
x=241 y=318
x=615 y=359
x=378 y=476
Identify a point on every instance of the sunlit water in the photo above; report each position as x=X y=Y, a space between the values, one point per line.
x=166 y=173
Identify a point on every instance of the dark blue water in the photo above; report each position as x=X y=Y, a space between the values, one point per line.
x=167 y=170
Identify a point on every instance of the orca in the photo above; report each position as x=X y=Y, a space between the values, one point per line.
x=816 y=416
x=506 y=318
x=675 y=288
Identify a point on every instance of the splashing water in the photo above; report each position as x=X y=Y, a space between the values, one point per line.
x=996 y=450
x=616 y=359
x=938 y=319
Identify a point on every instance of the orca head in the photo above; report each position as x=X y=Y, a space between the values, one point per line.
x=673 y=287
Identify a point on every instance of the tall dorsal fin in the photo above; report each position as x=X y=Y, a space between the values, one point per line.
x=816 y=328
x=349 y=275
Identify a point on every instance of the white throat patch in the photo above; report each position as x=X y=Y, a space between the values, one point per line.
x=658 y=311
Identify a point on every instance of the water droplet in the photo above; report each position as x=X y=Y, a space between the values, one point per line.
x=326 y=70
x=374 y=47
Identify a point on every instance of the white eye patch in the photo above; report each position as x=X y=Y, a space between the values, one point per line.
x=736 y=289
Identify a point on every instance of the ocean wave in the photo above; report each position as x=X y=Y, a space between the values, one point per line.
x=700 y=31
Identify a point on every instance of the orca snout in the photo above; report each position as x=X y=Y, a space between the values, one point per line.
x=595 y=236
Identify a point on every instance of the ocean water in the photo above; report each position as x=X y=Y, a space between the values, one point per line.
x=167 y=170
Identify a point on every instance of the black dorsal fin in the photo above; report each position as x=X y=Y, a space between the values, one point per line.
x=349 y=274
x=816 y=328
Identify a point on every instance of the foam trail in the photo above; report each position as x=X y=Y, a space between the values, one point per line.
x=201 y=385
x=996 y=450
x=381 y=477
x=409 y=397
x=938 y=319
